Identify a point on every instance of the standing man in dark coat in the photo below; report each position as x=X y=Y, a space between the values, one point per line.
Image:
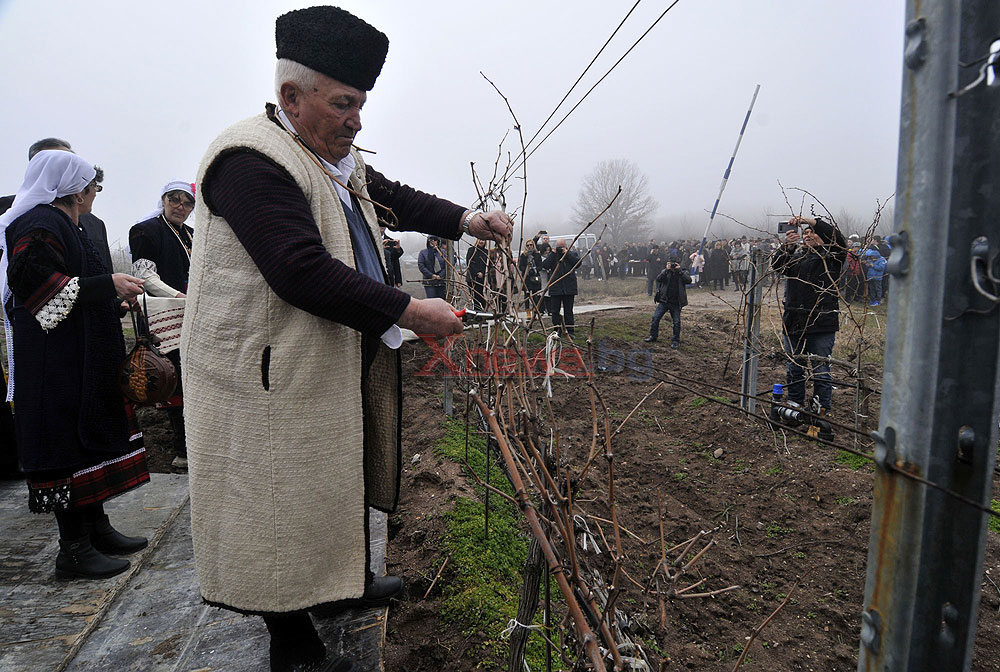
x=476 y=264
x=393 y=251
x=810 y=319
x=671 y=296
x=561 y=265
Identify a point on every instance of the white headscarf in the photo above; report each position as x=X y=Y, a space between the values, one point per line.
x=50 y=174
x=176 y=185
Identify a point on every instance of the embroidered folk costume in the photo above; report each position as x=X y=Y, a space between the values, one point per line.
x=76 y=436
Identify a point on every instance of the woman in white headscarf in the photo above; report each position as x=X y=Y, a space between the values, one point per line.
x=75 y=439
x=161 y=255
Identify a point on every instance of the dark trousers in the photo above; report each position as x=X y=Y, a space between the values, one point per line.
x=532 y=298
x=562 y=303
x=434 y=291
x=478 y=288
x=820 y=345
x=675 y=315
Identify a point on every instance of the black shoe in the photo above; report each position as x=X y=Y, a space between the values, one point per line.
x=674 y=345
x=110 y=541
x=649 y=339
x=381 y=590
x=78 y=558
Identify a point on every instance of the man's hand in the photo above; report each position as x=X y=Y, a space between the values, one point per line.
x=127 y=287
x=494 y=225
x=432 y=317
x=792 y=237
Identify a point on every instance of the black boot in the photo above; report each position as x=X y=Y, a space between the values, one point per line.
x=380 y=590
x=107 y=539
x=78 y=558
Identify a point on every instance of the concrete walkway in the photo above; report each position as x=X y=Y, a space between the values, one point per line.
x=151 y=617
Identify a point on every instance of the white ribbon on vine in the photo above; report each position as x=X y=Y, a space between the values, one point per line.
x=514 y=623
x=586 y=535
x=552 y=345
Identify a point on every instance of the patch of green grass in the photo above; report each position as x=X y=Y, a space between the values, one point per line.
x=679 y=475
x=620 y=330
x=850 y=459
x=698 y=402
x=482 y=595
x=775 y=470
x=740 y=466
x=845 y=501
x=799 y=555
x=774 y=529
x=994 y=521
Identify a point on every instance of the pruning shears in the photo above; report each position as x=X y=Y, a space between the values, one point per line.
x=474 y=316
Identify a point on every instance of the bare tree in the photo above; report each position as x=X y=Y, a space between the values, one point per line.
x=630 y=215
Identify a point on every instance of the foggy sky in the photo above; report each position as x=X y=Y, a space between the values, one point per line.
x=142 y=88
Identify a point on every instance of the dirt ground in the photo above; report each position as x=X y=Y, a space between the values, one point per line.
x=783 y=505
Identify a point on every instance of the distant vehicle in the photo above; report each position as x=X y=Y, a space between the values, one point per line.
x=585 y=243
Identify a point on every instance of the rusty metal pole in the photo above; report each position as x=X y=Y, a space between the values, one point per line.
x=751 y=335
x=939 y=392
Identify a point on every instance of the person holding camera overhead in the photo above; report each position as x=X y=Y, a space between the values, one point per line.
x=812 y=262
x=671 y=296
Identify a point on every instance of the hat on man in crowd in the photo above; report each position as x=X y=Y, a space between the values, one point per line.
x=333 y=42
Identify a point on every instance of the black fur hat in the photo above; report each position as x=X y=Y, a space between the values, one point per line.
x=333 y=42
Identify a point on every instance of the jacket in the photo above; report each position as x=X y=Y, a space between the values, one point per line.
x=874 y=264
x=430 y=262
x=528 y=265
x=670 y=287
x=812 y=300
x=562 y=272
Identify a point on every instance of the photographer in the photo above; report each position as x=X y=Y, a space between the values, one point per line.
x=561 y=265
x=671 y=296
x=812 y=263
x=393 y=251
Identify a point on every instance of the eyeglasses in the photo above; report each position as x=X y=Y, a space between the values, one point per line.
x=177 y=200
